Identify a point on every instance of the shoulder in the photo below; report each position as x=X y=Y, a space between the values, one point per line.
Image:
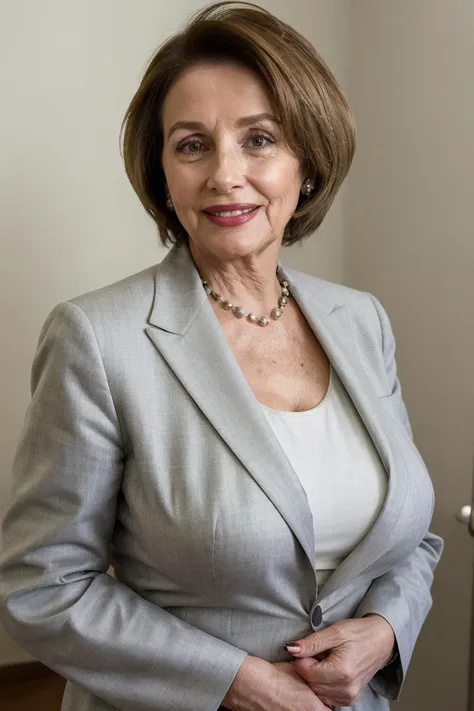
x=130 y=295
x=109 y=315
x=319 y=286
x=331 y=295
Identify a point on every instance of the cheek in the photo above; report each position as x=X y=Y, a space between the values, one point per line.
x=280 y=183
x=182 y=183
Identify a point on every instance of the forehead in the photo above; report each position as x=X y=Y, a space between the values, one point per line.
x=211 y=92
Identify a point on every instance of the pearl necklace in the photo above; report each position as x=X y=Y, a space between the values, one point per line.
x=239 y=312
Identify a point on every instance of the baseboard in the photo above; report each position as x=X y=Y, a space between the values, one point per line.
x=24 y=671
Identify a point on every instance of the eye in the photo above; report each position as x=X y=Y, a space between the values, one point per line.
x=260 y=140
x=190 y=146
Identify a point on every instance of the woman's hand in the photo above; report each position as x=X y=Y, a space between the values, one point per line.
x=261 y=686
x=339 y=661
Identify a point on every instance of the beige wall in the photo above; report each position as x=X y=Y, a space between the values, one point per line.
x=409 y=239
x=69 y=221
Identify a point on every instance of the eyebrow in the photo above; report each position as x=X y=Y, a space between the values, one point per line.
x=240 y=123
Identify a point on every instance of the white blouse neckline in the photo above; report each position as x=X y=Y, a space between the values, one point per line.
x=303 y=414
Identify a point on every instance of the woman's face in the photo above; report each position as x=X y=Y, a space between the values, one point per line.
x=223 y=147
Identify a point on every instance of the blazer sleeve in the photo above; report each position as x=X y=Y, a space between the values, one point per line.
x=56 y=598
x=402 y=596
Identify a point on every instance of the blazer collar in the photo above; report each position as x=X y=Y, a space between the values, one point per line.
x=188 y=335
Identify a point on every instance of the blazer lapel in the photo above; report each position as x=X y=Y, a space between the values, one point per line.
x=188 y=335
x=332 y=325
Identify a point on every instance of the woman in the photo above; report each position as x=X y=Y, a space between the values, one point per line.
x=227 y=433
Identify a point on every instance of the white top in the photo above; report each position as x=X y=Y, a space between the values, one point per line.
x=339 y=468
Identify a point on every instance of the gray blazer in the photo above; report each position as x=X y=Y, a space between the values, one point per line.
x=145 y=448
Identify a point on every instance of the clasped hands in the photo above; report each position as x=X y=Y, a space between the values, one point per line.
x=338 y=661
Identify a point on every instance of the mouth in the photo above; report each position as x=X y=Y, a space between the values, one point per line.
x=230 y=210
x=232 y=216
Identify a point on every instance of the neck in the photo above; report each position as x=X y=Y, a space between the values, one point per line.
x=250 y=282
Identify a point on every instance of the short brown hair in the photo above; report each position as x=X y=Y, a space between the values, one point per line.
x=315 y=116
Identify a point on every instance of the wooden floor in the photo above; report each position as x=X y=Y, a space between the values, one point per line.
x=43 y=694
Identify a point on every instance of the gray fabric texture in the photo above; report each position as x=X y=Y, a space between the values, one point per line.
x=145 y=448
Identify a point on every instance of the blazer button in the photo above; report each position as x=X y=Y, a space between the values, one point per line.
x=316 y=616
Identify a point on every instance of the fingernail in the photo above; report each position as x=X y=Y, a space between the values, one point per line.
x=292 y=647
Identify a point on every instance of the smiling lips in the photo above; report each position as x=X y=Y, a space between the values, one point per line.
x=232 y=214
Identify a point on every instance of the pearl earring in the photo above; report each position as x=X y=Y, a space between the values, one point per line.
x=169 y=204
x=307 y=187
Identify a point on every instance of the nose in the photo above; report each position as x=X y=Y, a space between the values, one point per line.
x=226 y=170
